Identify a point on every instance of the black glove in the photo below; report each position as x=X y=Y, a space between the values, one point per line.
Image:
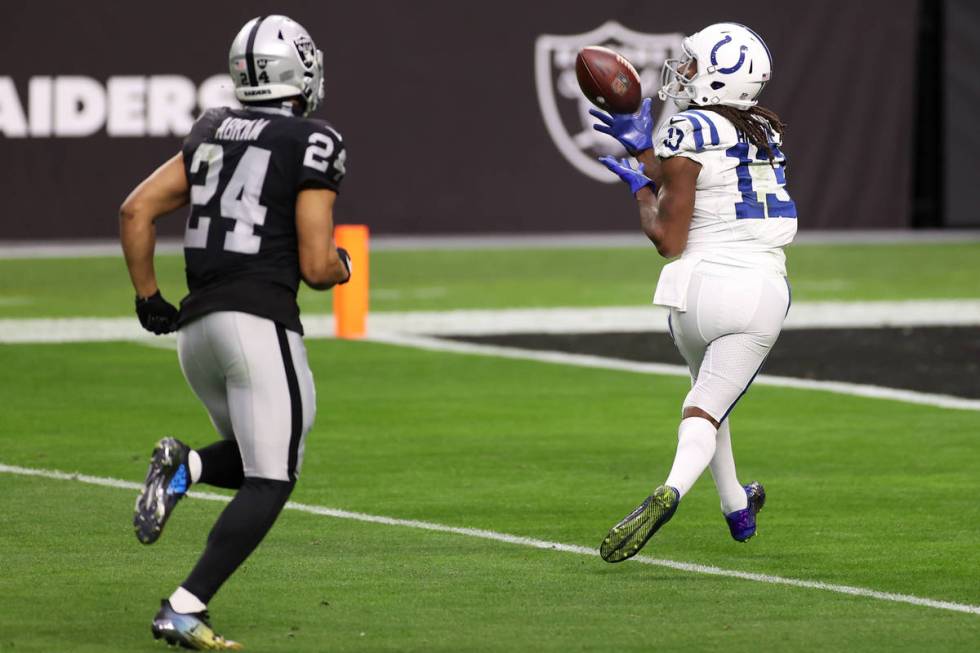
x=345 y=259
x=156 y=314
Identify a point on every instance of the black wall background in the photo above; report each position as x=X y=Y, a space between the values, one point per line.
x=437 y=103
x=961 y=164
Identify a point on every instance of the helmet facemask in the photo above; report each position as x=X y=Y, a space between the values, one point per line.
x=313 y=88
x=674 y=84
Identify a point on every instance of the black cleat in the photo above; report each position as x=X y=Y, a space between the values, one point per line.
x=166 y=483
x=191 y=630
x=757 y=496
x=741 y=523
x=626 y=538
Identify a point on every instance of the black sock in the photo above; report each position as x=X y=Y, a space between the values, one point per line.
x=237 y=532
x=221 y=465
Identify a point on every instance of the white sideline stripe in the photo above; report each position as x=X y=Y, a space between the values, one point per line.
x=618 y=319
x=523 y=541
x=613 y=319
x=127 y=329
x=599 y=362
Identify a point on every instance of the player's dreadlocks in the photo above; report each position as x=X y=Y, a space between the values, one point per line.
x=752 y=122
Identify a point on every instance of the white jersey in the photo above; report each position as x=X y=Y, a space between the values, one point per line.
x=742 y=213
x=743 y=216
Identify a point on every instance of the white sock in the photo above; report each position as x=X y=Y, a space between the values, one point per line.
x=695 y=447
x=184 y=602
x=194 y=466
x=723 y=471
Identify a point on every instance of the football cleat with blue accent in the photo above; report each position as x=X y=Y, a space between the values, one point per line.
x=166 y=484
x=191 y=631
x=626 y=538
x=741 y=523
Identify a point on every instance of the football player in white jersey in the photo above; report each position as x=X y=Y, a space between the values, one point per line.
x=711 y=189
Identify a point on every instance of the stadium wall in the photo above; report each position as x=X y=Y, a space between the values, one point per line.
x=459 y=117
x=961 y=165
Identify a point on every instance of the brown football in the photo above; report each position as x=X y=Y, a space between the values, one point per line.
x=608 y=79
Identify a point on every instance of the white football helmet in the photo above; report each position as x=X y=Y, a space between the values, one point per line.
x=274 y=57
x=733 y=64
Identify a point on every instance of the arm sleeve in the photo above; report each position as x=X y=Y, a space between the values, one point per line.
x=687 y=135
x=324 y=159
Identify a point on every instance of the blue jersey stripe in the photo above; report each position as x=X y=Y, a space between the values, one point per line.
x=715 y=139
x=698 y=137
x=778 y=208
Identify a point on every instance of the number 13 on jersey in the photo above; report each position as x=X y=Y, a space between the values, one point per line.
x=763 y=185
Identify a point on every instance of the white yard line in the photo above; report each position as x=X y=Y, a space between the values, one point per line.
x=585 y=240
x=526 y=541
x=600 y=362
x=956 y=312
x=665 y=369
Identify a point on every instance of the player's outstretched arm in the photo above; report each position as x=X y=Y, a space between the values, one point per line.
x=321 y=263
x=665 y=216
x=162 y=192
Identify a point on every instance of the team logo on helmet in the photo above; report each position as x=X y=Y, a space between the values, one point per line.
x=566 y=110
x=306 y=51
x=714 y=58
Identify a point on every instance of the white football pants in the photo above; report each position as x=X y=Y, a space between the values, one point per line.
x=733 y=319
x=255 y=382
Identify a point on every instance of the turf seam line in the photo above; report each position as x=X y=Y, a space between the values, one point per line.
x=523 y=541
x=616 y=364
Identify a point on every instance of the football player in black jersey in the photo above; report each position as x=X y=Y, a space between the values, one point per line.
x=261 y=183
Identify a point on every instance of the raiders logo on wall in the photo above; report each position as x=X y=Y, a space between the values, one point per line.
x=566 y=110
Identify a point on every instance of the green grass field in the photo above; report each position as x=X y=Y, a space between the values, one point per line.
x=869 y=493
x=444 y=279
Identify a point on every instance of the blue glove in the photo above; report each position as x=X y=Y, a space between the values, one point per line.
x=634 y=131
x=635 y=178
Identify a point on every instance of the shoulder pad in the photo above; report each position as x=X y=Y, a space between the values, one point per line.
x=692 y=131
x=324 y=156
x=324 y=126
x=204 y=126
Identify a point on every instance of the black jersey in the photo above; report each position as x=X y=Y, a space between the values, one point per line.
x=245 y=168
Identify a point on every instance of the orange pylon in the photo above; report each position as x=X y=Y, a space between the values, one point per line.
x=350 y=301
